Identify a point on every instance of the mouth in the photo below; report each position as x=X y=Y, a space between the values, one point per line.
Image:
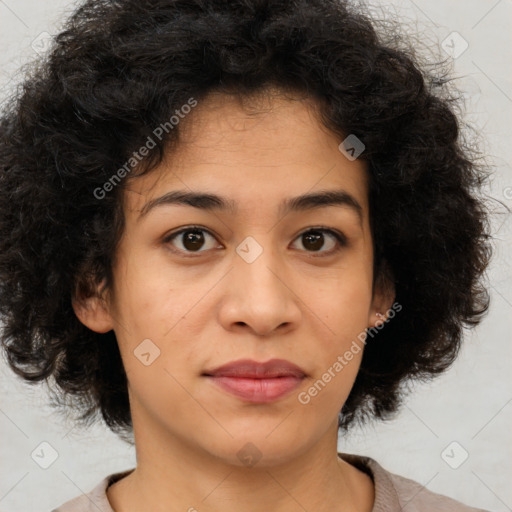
x=257 y=382
x=258 y=390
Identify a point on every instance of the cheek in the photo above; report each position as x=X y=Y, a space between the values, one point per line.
x=338 y=354
x=158 y=392
x=144 y=296
x=153 y=325
x=344 y=303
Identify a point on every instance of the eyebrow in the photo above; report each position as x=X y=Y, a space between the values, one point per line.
x=214 y=202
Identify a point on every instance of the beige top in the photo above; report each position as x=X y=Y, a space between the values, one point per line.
x=393 y=493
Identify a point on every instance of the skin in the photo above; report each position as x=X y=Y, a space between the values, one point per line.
x=204 y=311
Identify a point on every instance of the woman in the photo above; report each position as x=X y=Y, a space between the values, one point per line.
x=235 y=229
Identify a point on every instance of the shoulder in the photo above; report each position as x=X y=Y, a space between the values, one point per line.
x=94 y=501
x=397 y=493
x=416 y=497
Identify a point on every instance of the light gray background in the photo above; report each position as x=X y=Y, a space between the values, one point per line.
x=471 y=404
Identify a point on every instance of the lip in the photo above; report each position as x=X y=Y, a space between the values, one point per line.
x=257 y=382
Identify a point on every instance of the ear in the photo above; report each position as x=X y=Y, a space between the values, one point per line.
x=383 y=296
x=94 y=311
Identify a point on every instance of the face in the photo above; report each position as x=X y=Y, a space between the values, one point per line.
x=261 y=278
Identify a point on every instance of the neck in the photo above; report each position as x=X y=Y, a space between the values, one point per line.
x=170 y=473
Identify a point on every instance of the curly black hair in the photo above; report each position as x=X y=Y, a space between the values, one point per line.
x=120 y=68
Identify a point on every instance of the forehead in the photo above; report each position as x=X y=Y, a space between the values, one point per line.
x=253 y=151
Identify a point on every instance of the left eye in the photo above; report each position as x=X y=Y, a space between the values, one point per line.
x=313 y=239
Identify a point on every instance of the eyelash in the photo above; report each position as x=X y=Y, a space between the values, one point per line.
x=339 y=237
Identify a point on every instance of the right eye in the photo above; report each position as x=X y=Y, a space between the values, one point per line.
x=191 y=239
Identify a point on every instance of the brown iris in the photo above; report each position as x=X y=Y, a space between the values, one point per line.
x=193 y=239
x=315 y=239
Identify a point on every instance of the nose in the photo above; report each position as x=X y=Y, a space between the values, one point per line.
x=261 y=294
